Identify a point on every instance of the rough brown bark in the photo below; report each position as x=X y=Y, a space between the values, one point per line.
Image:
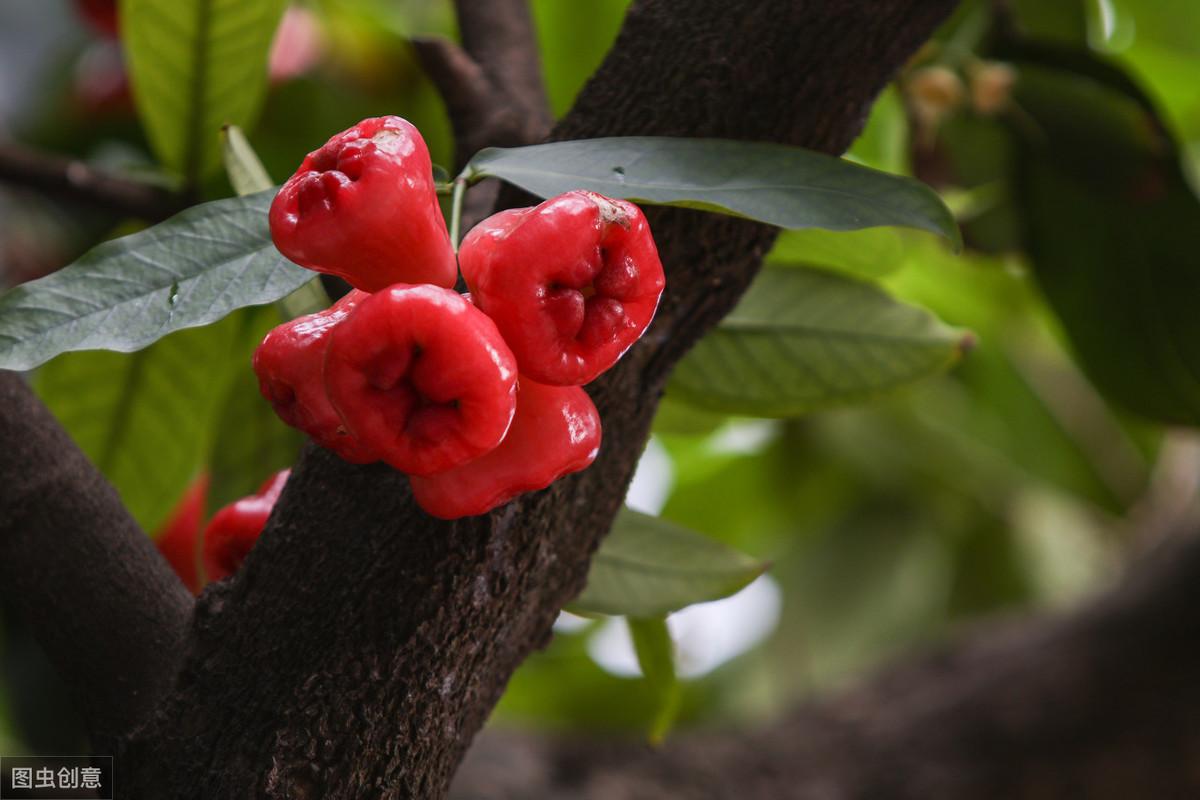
x=1102 y=703
x=105 y=606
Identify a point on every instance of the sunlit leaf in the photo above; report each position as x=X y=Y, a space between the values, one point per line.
x=196 y=65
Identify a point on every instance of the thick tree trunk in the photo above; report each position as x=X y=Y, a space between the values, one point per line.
x=364 y=643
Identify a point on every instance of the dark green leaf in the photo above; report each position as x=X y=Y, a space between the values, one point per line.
x=191 y=270
x=1113 y=248
x=196 y=65
x=647 y=567
x=805 y=339
x=656 y=656
x=144 y=419
x=780 y=185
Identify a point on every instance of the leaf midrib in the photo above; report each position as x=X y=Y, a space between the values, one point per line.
x=199 y=84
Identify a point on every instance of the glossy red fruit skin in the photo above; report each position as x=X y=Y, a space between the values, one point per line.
x=556 y=431
x=364 y=207
x=179 y=538
x=423 y=377
x=571 y=283
x=289 y=362
x=233 y=530
x=100 y=14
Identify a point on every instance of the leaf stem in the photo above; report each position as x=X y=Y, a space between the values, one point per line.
x=456 y=206
x=656 y=656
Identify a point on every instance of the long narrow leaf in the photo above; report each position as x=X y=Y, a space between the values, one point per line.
x=785 y=186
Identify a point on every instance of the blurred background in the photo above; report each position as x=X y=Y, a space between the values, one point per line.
x=1020 y=480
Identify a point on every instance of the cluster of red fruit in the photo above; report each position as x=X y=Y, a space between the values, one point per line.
x=475 y=397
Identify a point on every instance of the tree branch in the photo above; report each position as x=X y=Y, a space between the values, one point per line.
x=1099 y=703
x=104 y=604
x=364 y=643
x=492 y=85
x=75 y=181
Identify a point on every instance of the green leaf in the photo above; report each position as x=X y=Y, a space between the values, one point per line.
x=247 y=175
x=196 y=65
x=144 y=419
x=884 y=142
x=251 y=443
x=773 y=183
x=871 y=253
x=191 y=270
x=1114 y=248
x=648 y=567
x=805 y=339
x=656 y=656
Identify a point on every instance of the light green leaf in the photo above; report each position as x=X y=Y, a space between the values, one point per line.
x=250 y=443
x=656 y=656
x=196 y=65
x=648 y=567
x=773 y=183
x=805 y=339
x=191 y=270
x=870 y=253
x=144 y=419
x=246 y=172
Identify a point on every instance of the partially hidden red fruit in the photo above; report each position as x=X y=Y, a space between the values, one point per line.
x=178 y=539
x=100 y=14
x=556 y=431
x=423 y=376
x=289 y=363
x=571 y=283
x=364 y=207
x=234 y=529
